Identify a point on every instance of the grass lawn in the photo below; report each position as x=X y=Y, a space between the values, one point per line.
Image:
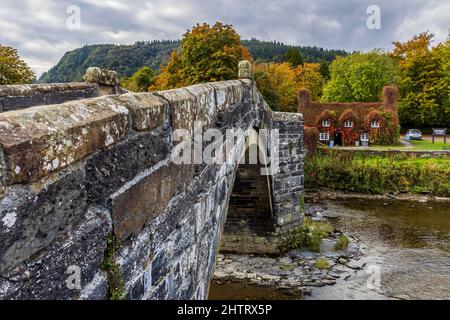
x=428 y=145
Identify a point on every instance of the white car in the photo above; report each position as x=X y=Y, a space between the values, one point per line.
x=414 y=134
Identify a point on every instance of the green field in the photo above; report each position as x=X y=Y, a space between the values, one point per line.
x=428 y=145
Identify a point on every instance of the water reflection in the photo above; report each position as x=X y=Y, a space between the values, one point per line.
x=408 y=241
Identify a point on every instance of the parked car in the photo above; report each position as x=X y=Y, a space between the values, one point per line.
x=414 y=134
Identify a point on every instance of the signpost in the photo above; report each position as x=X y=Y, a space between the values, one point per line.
x=440 y=133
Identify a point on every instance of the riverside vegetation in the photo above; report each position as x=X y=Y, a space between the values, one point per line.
x=375 y=174
x=309 y=235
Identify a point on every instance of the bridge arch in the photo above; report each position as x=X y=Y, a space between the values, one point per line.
x=250 y=220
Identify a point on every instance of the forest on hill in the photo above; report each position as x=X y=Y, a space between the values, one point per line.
x=127 y=59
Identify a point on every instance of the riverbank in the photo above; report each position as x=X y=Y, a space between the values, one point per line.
x=403 y=252
x=296 y=272
x=378 y=174
x=321 y=195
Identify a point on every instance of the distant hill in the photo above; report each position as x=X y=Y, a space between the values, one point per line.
x=263 y=51
x=127 y=59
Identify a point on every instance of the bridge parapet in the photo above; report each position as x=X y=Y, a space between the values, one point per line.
x=99 y=82
x=89 y=188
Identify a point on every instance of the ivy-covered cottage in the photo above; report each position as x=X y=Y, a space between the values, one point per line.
x=354 y=123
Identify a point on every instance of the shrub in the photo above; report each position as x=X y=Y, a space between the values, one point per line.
x=309 y=235
x=322 y=263
x=310 y=138
x=342 y=243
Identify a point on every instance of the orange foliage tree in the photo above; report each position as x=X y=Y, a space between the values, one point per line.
x=279 y=83
x=207 y=53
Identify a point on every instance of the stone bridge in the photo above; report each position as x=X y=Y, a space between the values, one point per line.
x=93 y=205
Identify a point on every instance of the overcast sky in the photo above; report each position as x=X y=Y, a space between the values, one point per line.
x=38 y=28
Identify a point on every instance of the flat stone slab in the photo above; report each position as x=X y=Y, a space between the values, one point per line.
x=148 y=111
x=39 y=140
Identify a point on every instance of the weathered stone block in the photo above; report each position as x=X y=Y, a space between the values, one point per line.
x=101 y=76
x=21 y=102
x=195 y=103
x=108 y=170
x=145 y=197
x=137 y=290
x=71 y=95
x=160 y=267
x=2 y=170
x=29 y=222
x=40 y=140
x=228 y=93
x=245 y=70
x=148 y=111
x=206 y=109
x=235 y=117
x=182 y=279
x=47 y=273
x=183 y=108
x=160 y=292
x=22 y=90
x=135 y=256
x=15 y=97
x=97 y=289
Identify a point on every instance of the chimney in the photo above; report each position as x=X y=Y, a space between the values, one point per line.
x=304 y=100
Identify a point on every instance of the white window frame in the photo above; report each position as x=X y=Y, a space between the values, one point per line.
x=324 y=136
x=374 y=124
x=348 y=123
x=363 y=135
x=326 y=123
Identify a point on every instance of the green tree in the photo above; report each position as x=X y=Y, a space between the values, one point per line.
x=424 y=81
x=294 y=57
x=13 y=70
x=325 y=69
x=359 y=77
x=208 y=53
x=140 y=81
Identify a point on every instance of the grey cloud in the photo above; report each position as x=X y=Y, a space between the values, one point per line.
x=37 y=28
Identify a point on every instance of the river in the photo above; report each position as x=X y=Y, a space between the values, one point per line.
x=406 y=253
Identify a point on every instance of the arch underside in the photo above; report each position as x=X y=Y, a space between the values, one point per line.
x=250 y=222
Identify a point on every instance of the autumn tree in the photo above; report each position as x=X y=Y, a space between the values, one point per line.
x=280 y=82
x=359 y=77
x=309 y=76
x=294 y=57
x=207 y=53
x=278 y=85
x=140 y=81
x=13 y=70
x=424 y=81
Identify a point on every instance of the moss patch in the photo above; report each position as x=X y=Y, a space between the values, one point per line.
x=116 y=285
x=302 y=203
x=322 y=264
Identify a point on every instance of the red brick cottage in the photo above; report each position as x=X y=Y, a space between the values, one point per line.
x=349 y=123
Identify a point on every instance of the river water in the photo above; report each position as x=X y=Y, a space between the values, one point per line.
x=406 y=253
